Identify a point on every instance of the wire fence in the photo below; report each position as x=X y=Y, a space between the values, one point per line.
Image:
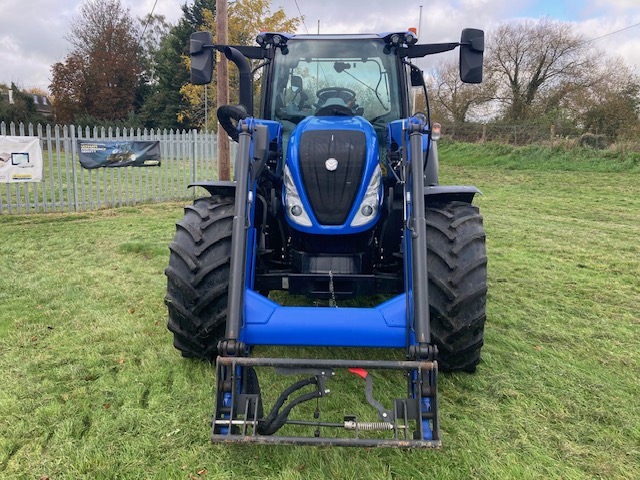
x=510 y=134
x=186 y=156
x=527 y=134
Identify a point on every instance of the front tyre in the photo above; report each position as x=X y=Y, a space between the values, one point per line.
x=457 y=266
x=198 y=276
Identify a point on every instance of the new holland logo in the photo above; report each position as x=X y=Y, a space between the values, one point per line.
x=331 y=164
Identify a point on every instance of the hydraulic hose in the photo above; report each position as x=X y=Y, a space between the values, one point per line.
x=266 y=425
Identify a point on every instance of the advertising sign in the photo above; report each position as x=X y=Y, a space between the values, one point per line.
x=138 y=153
x=20 y=159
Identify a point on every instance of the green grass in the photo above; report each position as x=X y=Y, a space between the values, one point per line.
x=560 y=157
x=92 y=387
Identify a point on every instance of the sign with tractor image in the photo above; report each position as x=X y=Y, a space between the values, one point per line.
x=97 y=154
x=20 y=159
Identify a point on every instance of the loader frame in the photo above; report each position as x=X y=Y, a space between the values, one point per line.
x=402 y=322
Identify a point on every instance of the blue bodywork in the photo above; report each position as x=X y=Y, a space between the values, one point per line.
x=333 y=123
x=268 y=323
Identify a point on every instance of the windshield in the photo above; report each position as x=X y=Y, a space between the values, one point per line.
x=334 y=77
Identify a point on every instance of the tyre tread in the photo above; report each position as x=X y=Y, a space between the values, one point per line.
x=457 y=264
x=198 y=276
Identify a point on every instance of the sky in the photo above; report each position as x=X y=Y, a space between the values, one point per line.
x=32 y=32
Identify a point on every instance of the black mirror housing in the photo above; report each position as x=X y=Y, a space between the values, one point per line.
x=471 y=55
x=201 y=52
x=417 y=79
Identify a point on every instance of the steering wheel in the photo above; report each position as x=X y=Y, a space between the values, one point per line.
x=345 y=94
x=379 y=117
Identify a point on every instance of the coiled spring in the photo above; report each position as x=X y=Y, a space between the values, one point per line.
x=367 y=426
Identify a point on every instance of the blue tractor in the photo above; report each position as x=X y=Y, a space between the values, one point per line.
x=335 y=195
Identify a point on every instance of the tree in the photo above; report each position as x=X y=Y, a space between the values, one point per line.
x=162 y=107
x=22 y=109
x=100 y=76
x=154 y=29
x=246 y=20
x=69 y=88
x=536 y=64
x=611 y=105
x=452 y=99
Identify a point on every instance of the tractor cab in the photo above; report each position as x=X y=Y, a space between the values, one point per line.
x=329 y=75
x=334 y=96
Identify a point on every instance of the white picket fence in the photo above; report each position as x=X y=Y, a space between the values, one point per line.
x=186 y=156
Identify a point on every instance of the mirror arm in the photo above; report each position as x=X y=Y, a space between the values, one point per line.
x=476 y=44
x=418 y=51
x=196 y=47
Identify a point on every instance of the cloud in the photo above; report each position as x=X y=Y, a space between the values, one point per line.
x=616 y=38
x=33 y=33
x=614 y=5
x=170 y=9
x=32 y=40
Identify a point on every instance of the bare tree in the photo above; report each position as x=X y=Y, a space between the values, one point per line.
x=154 y=29
x=451 y=98
x=535 y=64
x=610 y=105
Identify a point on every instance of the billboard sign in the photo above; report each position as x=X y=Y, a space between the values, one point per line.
x=123 y=153
x=20 y=159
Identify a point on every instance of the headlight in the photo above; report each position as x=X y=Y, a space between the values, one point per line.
x=368 y=209
x=295 y=209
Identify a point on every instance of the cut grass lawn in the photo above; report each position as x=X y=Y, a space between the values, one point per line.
x=92 y=387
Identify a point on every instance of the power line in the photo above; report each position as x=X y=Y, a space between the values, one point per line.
x=613 y=33
x=146 y=24
x=301 y=16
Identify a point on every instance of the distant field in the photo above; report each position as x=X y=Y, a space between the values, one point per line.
x=92 y=387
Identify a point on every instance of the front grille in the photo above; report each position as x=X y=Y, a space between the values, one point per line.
x=332 y=193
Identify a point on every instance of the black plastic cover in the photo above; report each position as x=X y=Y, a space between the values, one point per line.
x=332 y=193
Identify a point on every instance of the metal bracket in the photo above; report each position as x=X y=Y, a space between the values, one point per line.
x=231 y=348
x=411 y=423
x=383 y=413
x=423 y=352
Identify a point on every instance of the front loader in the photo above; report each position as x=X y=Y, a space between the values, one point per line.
x=335 y=196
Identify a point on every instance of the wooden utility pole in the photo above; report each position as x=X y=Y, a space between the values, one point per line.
x=222 y=79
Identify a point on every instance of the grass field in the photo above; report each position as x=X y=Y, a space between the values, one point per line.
x=91 y=386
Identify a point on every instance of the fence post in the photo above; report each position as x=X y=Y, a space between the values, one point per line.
x=51 y=178
x=192 y=152
x=73 y=168
x=119 y=174
x=3 y=131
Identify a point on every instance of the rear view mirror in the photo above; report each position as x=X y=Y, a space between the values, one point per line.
x=201 y=52
x=471 y=55
x=417 y=79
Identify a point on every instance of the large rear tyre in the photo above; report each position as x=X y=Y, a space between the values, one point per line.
x=457 y=266
x=198 y=276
